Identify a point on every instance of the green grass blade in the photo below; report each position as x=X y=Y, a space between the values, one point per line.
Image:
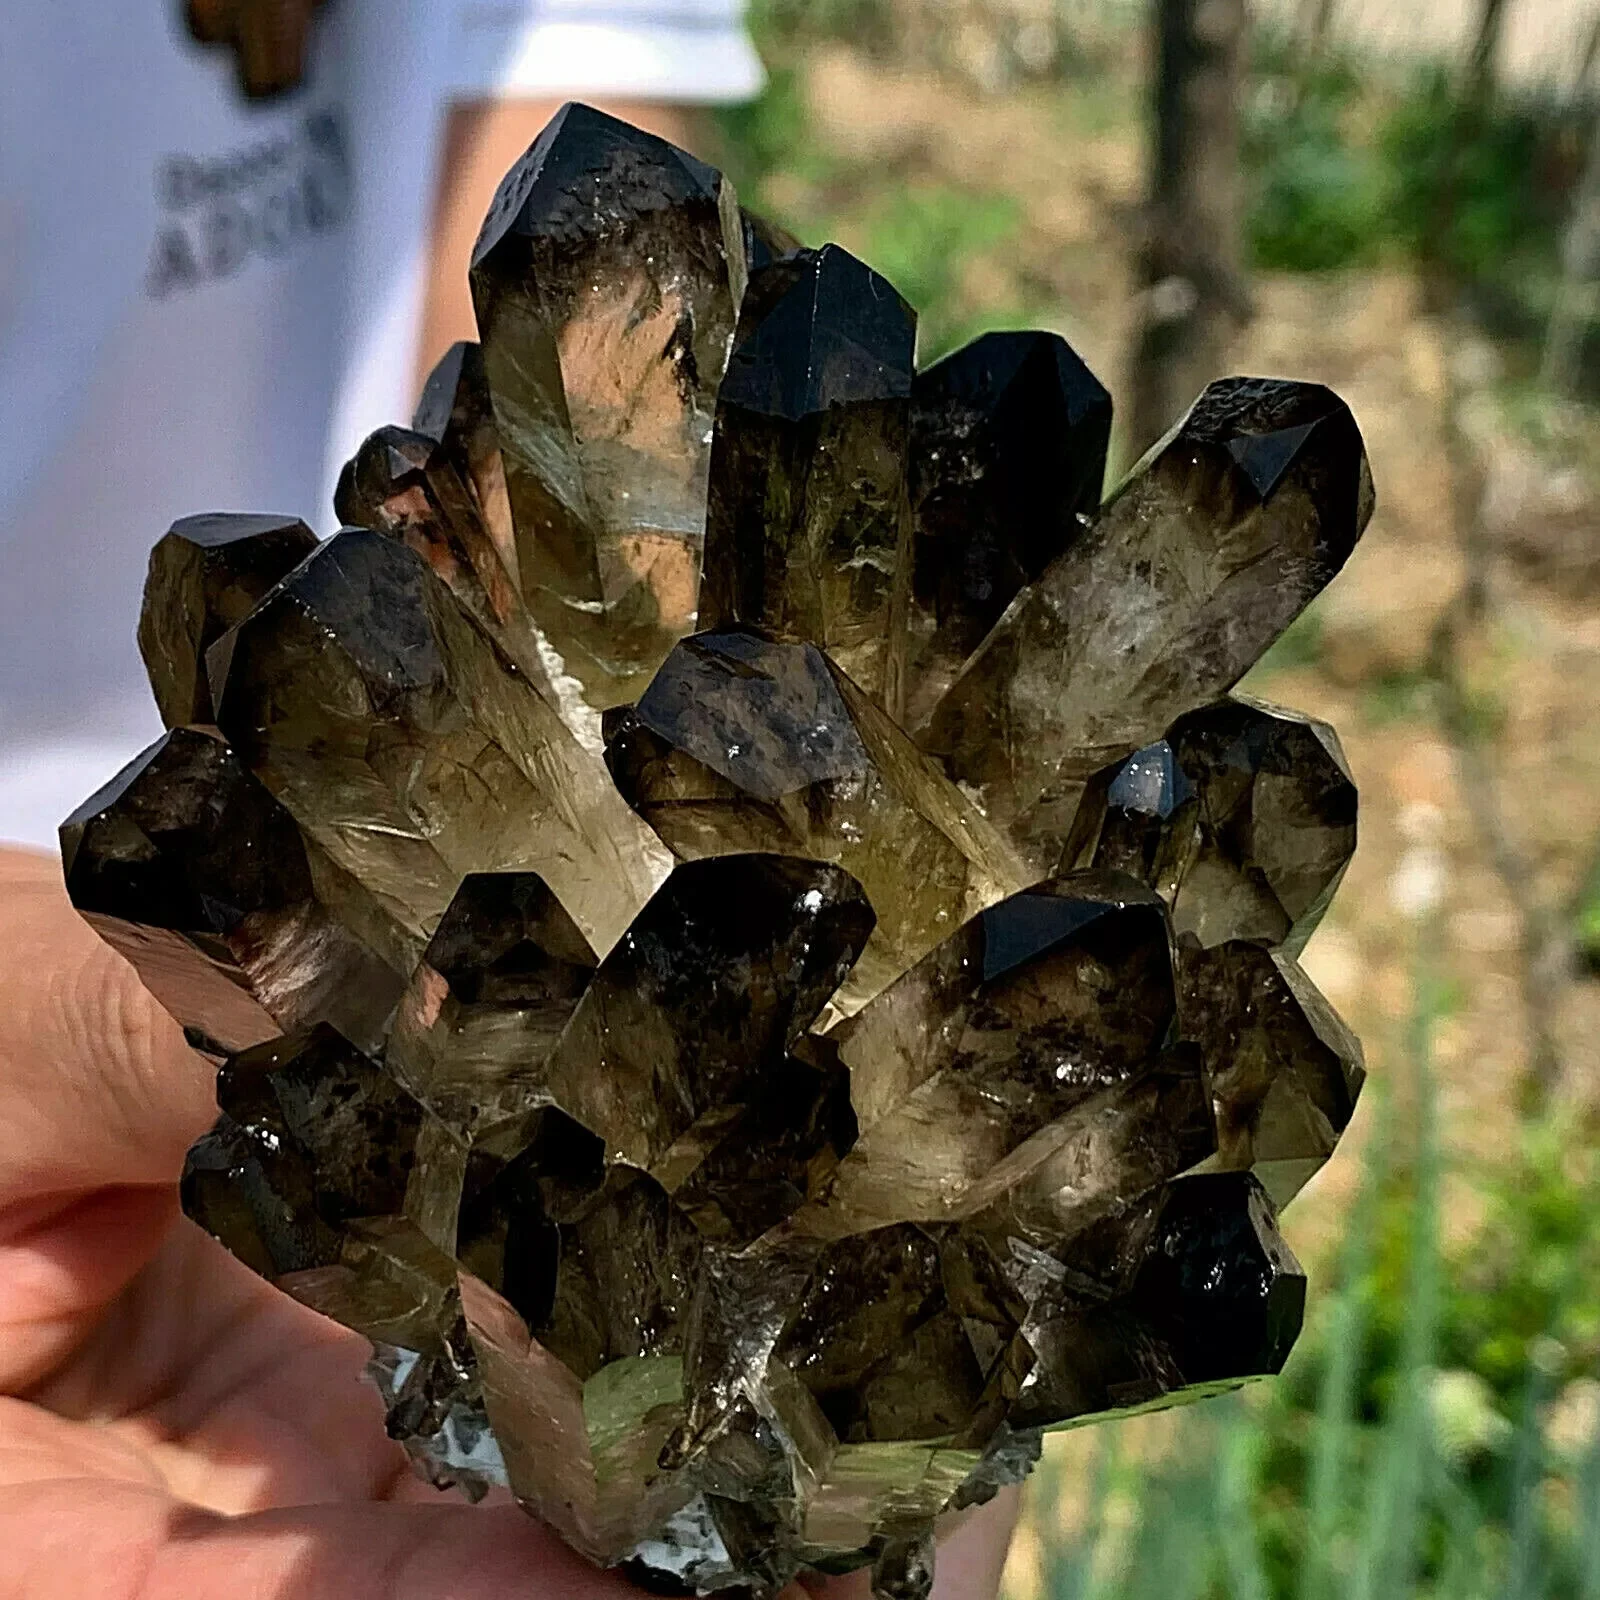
x=1334 y=1427
x=1524 y=1565
x=1238 y=1472
x=1395 y=1507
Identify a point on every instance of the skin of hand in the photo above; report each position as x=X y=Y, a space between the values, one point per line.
x=171 y=1427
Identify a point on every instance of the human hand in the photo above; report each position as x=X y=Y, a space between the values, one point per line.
x=172 y=1427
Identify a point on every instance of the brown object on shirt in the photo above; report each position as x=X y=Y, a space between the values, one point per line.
x=268 y=39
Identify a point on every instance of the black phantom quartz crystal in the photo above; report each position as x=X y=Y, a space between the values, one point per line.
x=742 y=1140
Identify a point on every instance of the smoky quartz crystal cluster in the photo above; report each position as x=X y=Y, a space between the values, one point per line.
x=748 y=945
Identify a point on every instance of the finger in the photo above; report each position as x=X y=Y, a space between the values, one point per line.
x=243 y=1400
x=62 y=1263
x=123 y=1541
x=97 y=1087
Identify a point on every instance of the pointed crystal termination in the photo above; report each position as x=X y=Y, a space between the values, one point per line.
x=384 y=720
x=1051 y=1001
x=1243 y=817
x=1007 y=460
x=457 y=413
x=741 y=743
x=1214 y=1297
x=1218 y=541
x=808 y=527
x=187 y=867
x=607 y=281
x=205 y=575
x=500 y=978
x=687 y=1054
x=401 y=484
x=313 y=1138
x=1284 y=1070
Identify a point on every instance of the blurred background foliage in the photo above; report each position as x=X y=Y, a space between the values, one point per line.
x=1409 y=235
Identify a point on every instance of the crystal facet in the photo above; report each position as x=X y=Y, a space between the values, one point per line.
x=456 y=411
x=385 y=721
x=1199 y=561
x=205 y=575
x=741 y=1147
x=400 y=483
x=1243 y=817
x=742 y=743
x=809 y=528
x=607 y=281
x=1007 y=459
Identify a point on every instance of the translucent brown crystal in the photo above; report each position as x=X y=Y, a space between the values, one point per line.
x=1208 y=551
x=742 y=1144
x=205 y=575
x=1007 y=458
x=808 y=531
x=607 y=281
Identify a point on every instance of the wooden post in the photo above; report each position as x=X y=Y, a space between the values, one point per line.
x=1192 y=260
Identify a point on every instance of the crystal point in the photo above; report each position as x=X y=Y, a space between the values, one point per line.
x=205 y=575
x=457 y=413
x=1215 y=544
x=384 y=720
x=744 y=743
x=1243 y=817
x=401 y=483
x=189 y=869
x=809 y=526
x=1007 y=459
x=607 y=282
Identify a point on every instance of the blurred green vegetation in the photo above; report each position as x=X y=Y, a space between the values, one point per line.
x=1350 y=162
x=921 y=235
x=1318 y=191
x=1434 y=1433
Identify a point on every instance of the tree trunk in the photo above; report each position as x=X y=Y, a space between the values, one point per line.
x=1192 y=261
x=1466 y=125
x=1578 y=298
x=1485 y=53
x=1314 y=24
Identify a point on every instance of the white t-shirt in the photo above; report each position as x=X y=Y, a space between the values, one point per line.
x=205 y=304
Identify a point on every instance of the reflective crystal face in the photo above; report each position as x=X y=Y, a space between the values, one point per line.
x=404 y=484
x=742 y=743
x=1206 y=553
x=456 y=411
x=809 y=527
x=1007 y=459
x=607 y=281
x=741 y=1146
x=205 y=575
x=1243 y=817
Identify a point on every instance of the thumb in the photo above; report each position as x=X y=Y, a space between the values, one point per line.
x=97 y=1087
